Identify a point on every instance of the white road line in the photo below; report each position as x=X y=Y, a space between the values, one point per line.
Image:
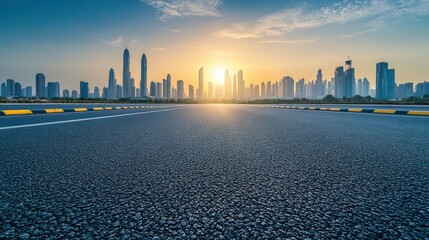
x=87 y=119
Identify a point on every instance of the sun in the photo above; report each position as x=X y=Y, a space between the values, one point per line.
x=218 y=75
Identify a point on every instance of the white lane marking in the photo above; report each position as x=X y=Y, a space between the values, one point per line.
x=86 y=119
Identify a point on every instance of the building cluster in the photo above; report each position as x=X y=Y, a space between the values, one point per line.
x=343 y=84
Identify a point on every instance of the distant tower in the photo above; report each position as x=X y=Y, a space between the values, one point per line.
x=126 y=75
x=143 y=82
x=385 y=81
x=112 y=85
x=201 y=83
x=227 y=85
x=240 y=85
x=180 y=89
x=40 y=85
x=349 y=80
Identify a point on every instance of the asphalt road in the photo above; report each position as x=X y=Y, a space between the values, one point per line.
x=215 y=171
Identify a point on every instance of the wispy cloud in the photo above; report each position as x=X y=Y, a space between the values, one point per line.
x=296 y=41
x=158 y=49
x=117 y=42
x=289 y=20
x=173 y=30
x=185 y=8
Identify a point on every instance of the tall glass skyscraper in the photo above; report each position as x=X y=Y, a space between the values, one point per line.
x=126 y=75
x=40 y=85
x=143 y=81
x=112 y=85
x=201 y=83
x=385 y=81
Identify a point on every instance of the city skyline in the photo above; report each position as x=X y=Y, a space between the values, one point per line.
x=264 y=41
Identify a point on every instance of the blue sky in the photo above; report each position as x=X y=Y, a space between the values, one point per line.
x=75 y=40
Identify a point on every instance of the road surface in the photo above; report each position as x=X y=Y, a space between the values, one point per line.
x=214 y=172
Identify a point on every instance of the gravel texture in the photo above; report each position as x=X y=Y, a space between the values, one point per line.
x=218 y=172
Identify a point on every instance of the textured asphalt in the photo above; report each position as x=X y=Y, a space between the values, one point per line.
x=217 y=171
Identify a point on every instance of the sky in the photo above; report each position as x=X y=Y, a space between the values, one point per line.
x=74 y=40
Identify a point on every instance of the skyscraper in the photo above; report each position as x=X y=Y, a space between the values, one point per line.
x=84 y=89
x=112 y=84
x=168 y=87
x=288 y=87
x=10 y=86
x=339 y=82
x=53 y=90
x=263 y=90
x=211 y=92
x=3 y=90
x=191 y=92
x=133 y=88
x=17 y=89
x=96 y=92
x=319 y=90
x=385 y=81
x=158 y=90
x=234 y=86
x=29 y=92
x=227 y=85
x=349 y=80
x=40 y=85
x=180 y=89
x=366 y=88
x=143 y=81
x=126 y=75
x=200 y=94
x=152 y=90
x=74 y=94
x=240 y=85
x=66 y=93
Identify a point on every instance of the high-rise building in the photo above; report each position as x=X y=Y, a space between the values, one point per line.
x=180 y=89
x=366 y=87
x=159 y=90
x=74 y=94
x=227 y=85
x=29 y=92
x=404 y=90
x=240 y=85
x=53 y=90
x=66 y=93
x=84 y=89
x=17 y=89
x=126 y=75
x=191 y=92
x=143 y=81
x=119 y=91
x=349 y=78
x=40 y=85
x=269 y=90
x=105 y=93
x=339 y=80
x=319 y=88
x=385 y=81
x=200 y=94
x=300 y=89
x=211 y=90
x=112 y=84
x=10 y=88
x=263 y=90
x=3 y=90
x=96 y=92
x=422 y=89
x=234 y=86
x=288 y=87
x=133 y=88
x=166 y=85
x=359 y=87
x=152 y=90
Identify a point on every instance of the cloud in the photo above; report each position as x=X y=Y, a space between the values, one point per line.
x=289 y=20
x=297 y=41
x=117 y=42
x=158 y=49
x=185 y=8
